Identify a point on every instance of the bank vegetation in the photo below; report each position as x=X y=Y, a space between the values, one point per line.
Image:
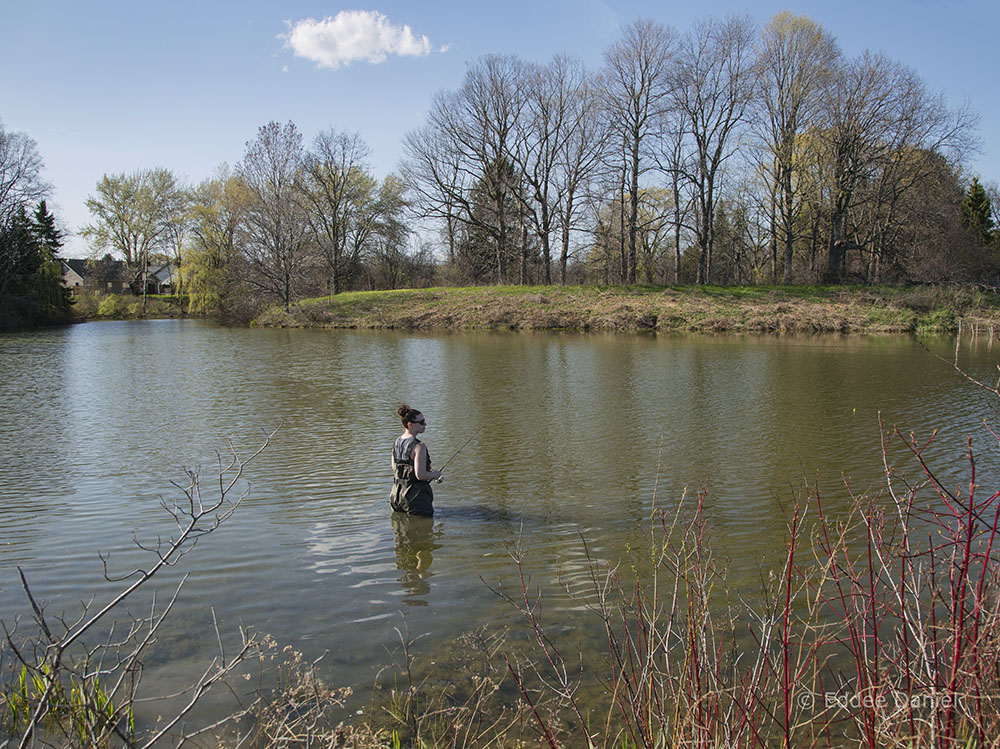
x=709 y=309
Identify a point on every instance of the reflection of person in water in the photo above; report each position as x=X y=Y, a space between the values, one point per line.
x=415 y=544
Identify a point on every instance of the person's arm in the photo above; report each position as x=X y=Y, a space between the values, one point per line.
x=420 y=464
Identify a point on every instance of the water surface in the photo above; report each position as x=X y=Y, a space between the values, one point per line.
x=579 y=433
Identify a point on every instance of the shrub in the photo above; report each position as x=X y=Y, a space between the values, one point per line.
x=111 y=305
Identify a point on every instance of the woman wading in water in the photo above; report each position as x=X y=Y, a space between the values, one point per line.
x=411 y=467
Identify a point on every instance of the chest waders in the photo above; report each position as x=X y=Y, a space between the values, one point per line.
x=409 y=494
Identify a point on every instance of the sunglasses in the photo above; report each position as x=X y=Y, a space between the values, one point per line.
x=422 y=421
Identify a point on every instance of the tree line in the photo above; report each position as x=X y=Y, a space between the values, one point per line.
x=725 y=154
x=285 y=222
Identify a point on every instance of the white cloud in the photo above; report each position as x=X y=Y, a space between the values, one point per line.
x=353 y=35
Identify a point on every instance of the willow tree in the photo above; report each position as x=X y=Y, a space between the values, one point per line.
x=211 y=268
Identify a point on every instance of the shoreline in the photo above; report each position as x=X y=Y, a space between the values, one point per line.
x=755 y=309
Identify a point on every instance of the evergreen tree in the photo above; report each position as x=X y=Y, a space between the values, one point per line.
x=49 y=288
x=30 y=276
x=977 y=212
x=45 y=230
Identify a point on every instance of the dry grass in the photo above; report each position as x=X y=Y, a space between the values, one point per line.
x=803 y=309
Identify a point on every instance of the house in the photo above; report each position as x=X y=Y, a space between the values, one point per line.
x=162 y=280
x=74 y=274
x=94 y=275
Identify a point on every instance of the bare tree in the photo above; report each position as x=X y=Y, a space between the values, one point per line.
x=82 y=693
x=432 y=175
x=337 y=187
x=636 y=82
x=878 y=117
x=858 y=127
x=558 y=143
x=460 y=165
x=539 y=133
x=490 y=103
x=581 y=155
x=275 y=239
x=675 y=161
x=21 y=182
x=715 y=85
x=796 y=60
x=925 y=131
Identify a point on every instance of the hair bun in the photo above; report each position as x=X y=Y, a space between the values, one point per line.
x=403 y=410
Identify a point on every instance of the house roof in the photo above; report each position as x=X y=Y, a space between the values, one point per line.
x=165 y=273
x=78 y=266
x=85 y=268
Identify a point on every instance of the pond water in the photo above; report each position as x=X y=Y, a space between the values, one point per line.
x=579 y=432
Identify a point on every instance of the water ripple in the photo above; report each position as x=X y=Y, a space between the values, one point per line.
x=96 y=421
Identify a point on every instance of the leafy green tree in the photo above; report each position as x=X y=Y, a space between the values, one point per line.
x=135 y=215
x=211 y=267
x=977 y=213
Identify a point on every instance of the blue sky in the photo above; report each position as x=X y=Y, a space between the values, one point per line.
x=106 y=86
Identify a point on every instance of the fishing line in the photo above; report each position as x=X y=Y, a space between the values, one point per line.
x=455 y=454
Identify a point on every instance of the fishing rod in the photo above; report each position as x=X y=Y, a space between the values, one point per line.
x=455 y=454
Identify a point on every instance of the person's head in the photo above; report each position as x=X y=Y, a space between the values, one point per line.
x=411 y=418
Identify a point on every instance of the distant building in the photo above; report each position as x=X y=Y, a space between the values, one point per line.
x=163 y=280
x=105 y=275
x=74 y=274
x=111 y=276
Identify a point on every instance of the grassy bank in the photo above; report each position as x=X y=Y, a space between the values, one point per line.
x=756 y=309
